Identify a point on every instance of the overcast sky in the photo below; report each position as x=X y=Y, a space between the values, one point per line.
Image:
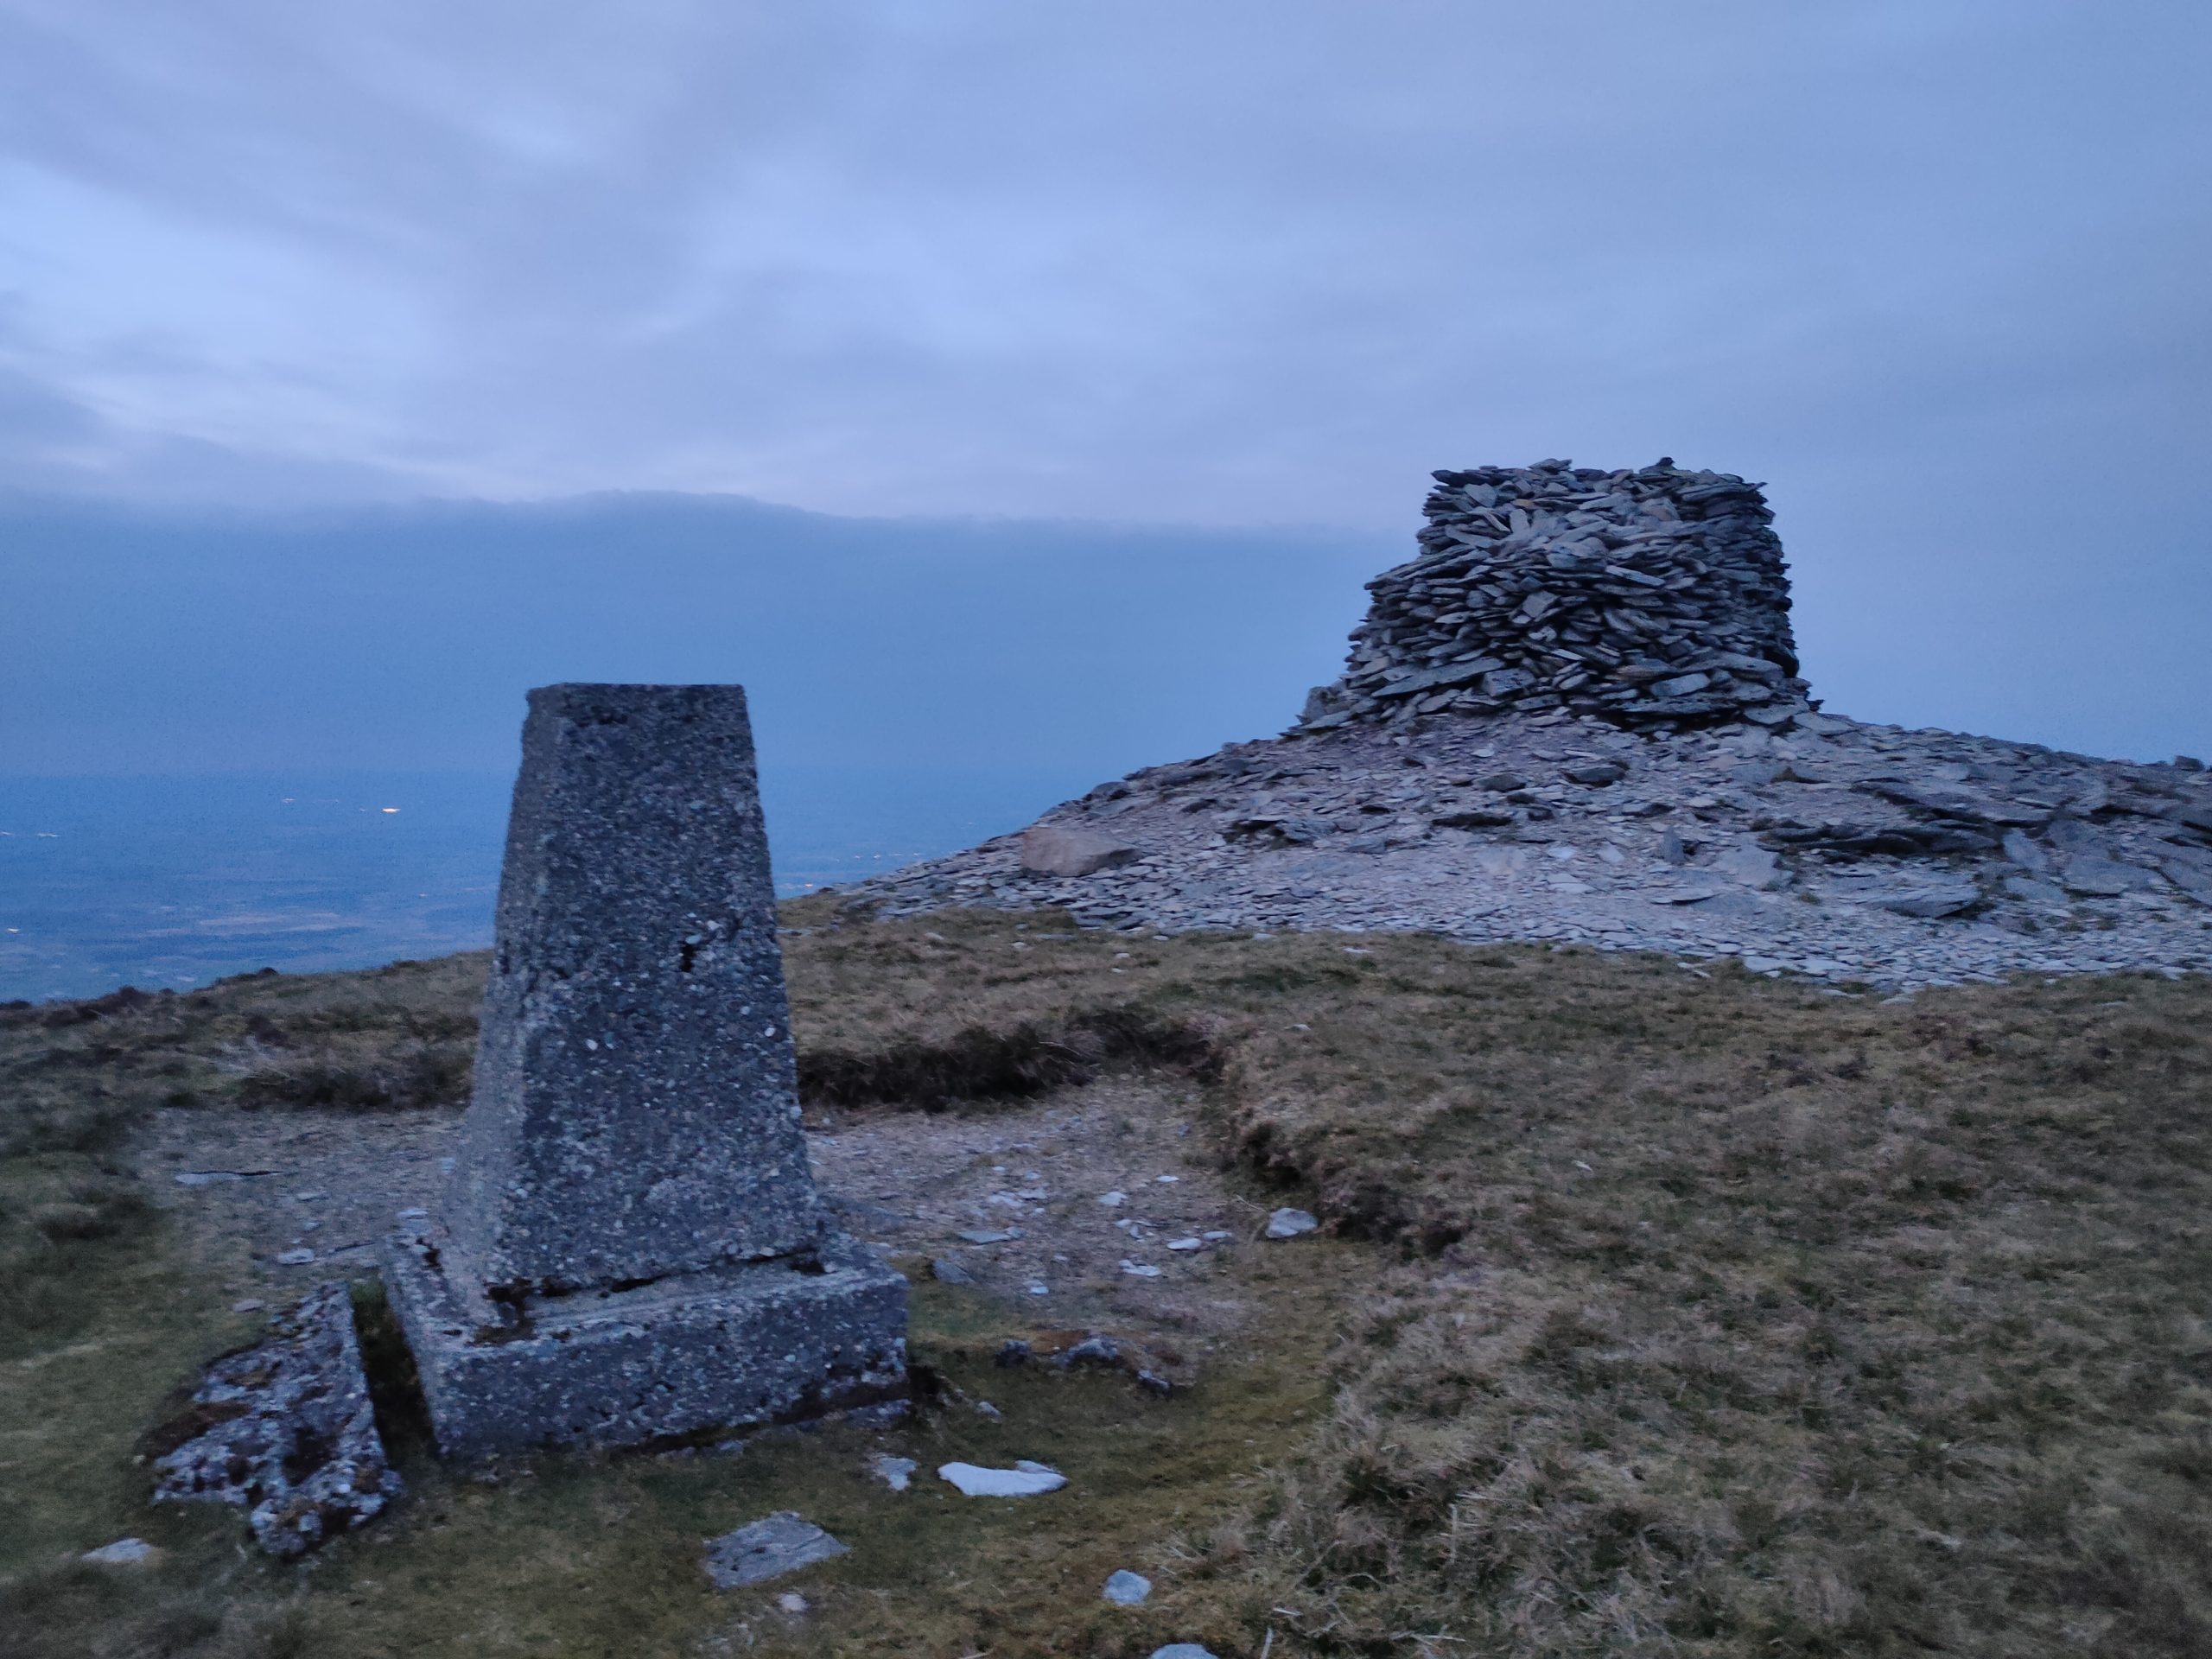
x=1936 y=271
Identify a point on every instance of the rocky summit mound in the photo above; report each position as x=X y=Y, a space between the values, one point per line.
x=1500 y=762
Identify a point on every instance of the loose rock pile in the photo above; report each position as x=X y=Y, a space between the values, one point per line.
x=285 y=1431
x=1576 y=717
x=1647 y=596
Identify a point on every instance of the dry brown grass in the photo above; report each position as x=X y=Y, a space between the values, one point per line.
x=1733 y=1318
x=1703 y=1315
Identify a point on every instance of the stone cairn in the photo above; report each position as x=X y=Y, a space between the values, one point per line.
x=1642 y=597
x=631 y=1249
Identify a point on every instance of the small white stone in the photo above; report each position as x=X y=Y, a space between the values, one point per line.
x=1215 y=1236
x=1024 y=1479
x=1138 y=1270
x=1127 y=1589
x=1289 y=1224
x=791 y=1602
x=298 y=1258
x=1186 y=1243
x=1166 y=1179
x=1113 y=1200
x=895 y=1473
x=124 y=1552
x=251 y=1305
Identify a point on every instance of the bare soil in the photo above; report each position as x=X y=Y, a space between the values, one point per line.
x=1009 y=1200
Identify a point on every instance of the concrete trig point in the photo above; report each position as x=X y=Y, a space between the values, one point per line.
x=632 y=1247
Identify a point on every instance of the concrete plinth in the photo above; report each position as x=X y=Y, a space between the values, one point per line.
x=631 y=1247
x=763 y=1342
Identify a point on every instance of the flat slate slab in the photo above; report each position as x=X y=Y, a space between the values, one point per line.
x=285 y=1431
x=780 y=1543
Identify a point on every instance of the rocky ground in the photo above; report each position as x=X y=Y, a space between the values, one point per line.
x=1090 y=1210
x=1824 y=846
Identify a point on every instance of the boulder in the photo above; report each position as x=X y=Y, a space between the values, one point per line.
x=1055 y=850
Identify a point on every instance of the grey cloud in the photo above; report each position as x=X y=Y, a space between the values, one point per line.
x=1932 y=268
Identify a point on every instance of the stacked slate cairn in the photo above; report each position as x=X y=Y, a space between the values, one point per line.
x=1646 y=597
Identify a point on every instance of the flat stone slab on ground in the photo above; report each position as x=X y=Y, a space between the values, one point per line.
x=284 y=1429
x=124 y=1552
x=768 y=1548
x=1024 y=1479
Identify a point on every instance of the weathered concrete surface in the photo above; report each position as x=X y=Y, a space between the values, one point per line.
x=284 y=1430
x=755 y=1342
x=634 y=1112
x=632 y=1247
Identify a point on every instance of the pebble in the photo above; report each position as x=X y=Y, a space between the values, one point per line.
x=897 y=1473
x=136 y=1552
x=1127 y=1589
x=1182 y=1651
x=296 y=1258
x=1138 y=1269
x=1290 y=1223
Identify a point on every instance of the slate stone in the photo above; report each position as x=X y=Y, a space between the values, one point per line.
x=1472 y=818
x=1931 y=900
x=2028 y=854
x=1054 y=849
x=768 y=1548
x=2029 y=890
x=1597 y=774
x=1291 y=1224
x=284 y=1430
x=2102 y=878
x=1751 y=867
x=1024 y=1479
x=137 y=1551
x=1127 y=1589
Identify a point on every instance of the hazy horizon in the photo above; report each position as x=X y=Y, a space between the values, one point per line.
x=997 y=389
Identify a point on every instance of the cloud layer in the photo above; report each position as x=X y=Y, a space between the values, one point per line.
x=1934 y=270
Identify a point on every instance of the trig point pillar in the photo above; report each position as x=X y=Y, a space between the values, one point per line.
x=632 y=1247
